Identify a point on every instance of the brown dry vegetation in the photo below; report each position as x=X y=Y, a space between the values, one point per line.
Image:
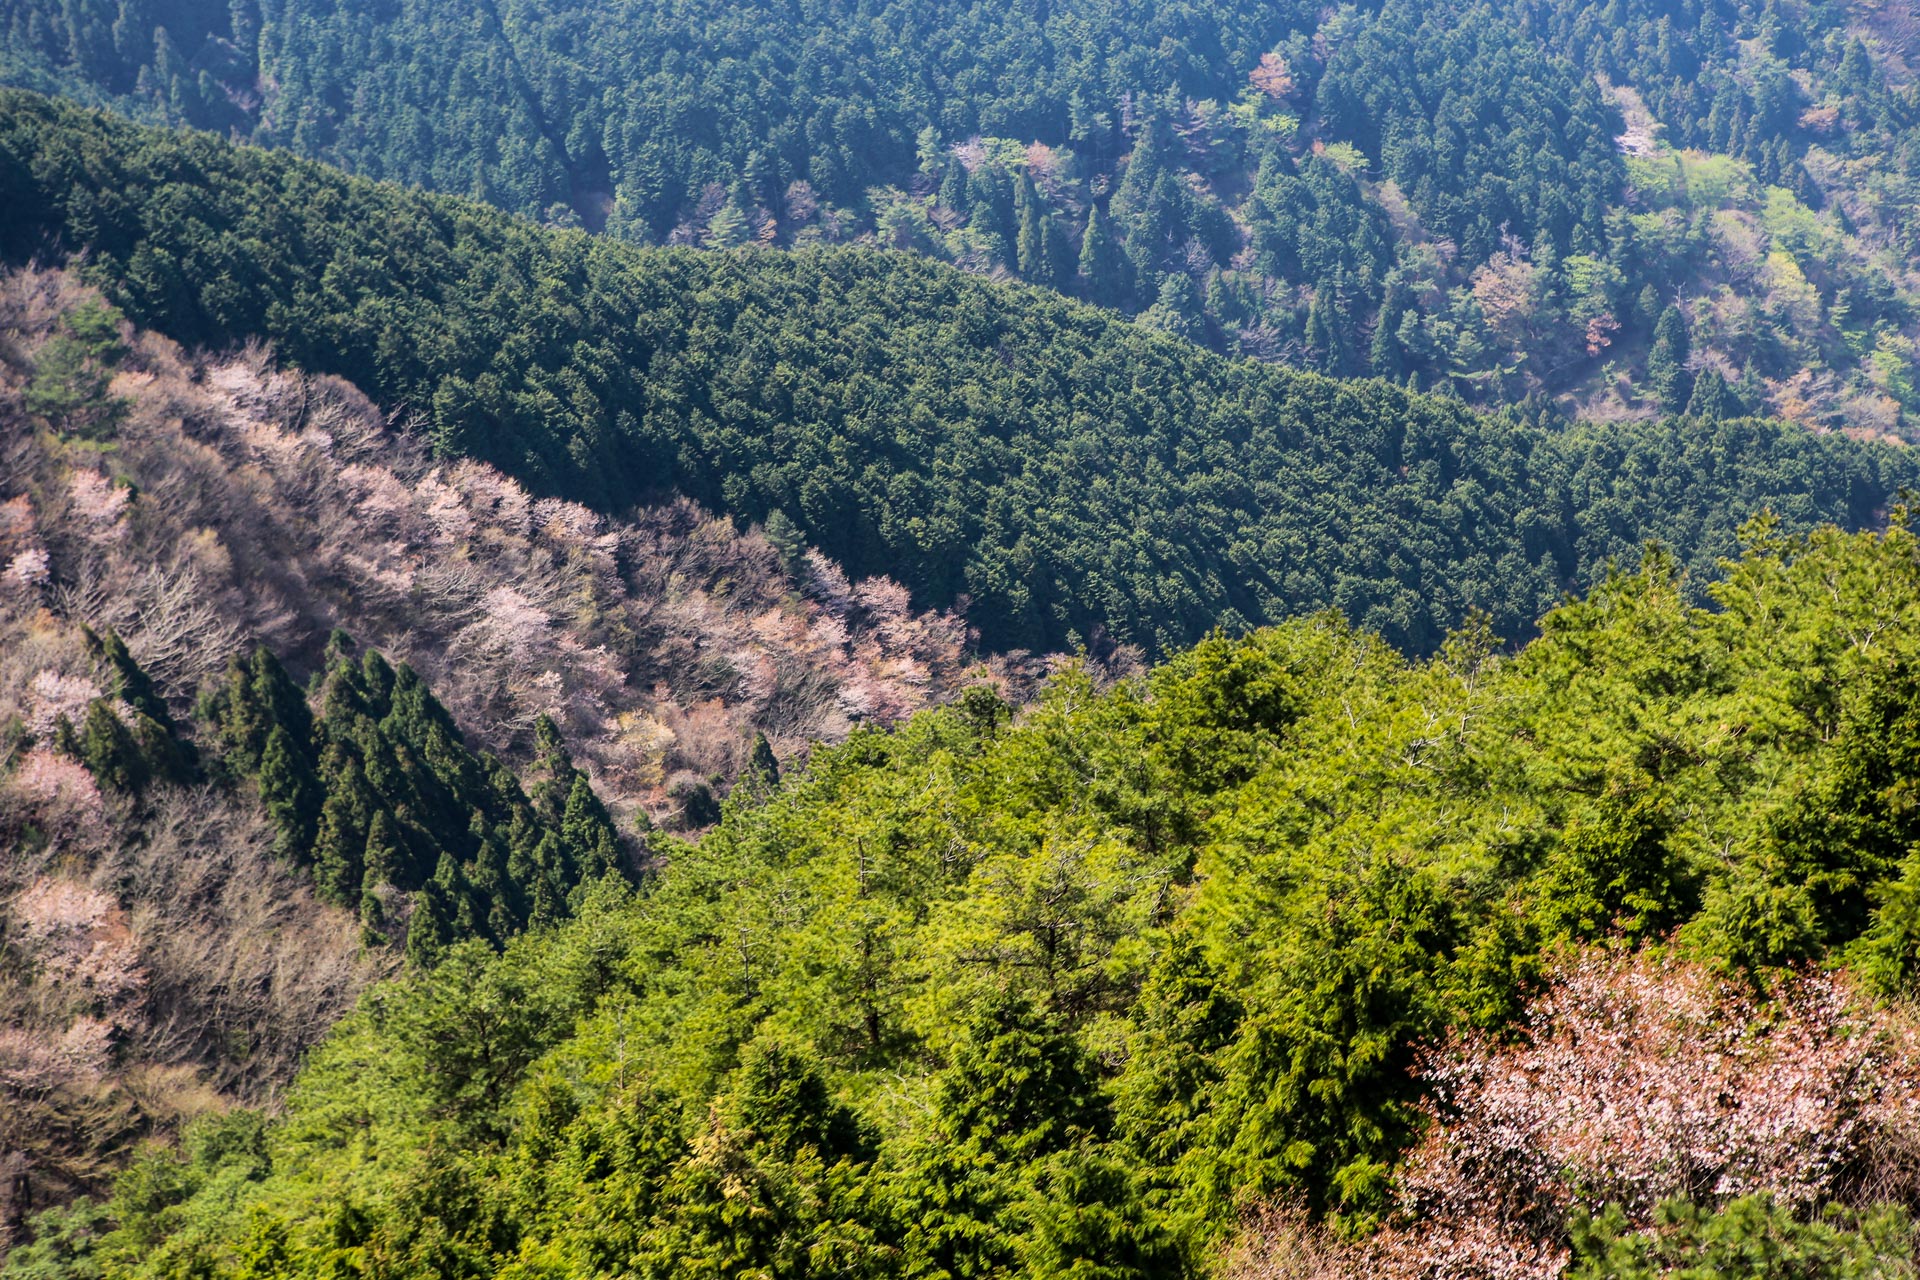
x=1637 y=1079
x=268 y=506
x=156 y=961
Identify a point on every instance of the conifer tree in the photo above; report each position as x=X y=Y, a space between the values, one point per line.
x=341 y=841
x=133 y=684
x=378 y=865
x=1614 y=872
x=284 y=702
x=1385 y=356
x=760 y=779
x=443 y=781
x=1667 y=361
x=1177 y=309
x=1030 y=245
x=728 y=228
x=550 y=754
x=375 y=685
x=467 y=918
x=990 y=212
x=780 y=1187
x=1103 y=267
x=340 y=647
x=110 y=752
x=545 y=908
x=1711 y=400
x=256 y=696
x=1057 y=263
x=1019 y=1090
x=373 y=915
x=1138 y=204
x=1323 y=332
x=383 y=858
x=953 y=187
x=787 y=539
x=494 y=892
x=521 y=831
x=66 y=740
x=292 y=794
x=239 y=724
x=431 y=930
x=587 y=829
x=164 y=756
x=1647 y=306
x=762 y=765
x=1187 y=1013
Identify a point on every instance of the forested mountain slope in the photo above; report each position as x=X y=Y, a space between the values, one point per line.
x=202 y=863
x=202 y=505
x=1078 y=990
x=1503 y=196
x=1075 y=478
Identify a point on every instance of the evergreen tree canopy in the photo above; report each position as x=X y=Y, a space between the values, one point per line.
x=1060 y=998
x=1082 y=482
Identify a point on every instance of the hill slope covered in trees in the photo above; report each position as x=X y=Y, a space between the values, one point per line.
x=1502 y=196
x=1073 y=477
x=1079 y=989
x=203 y=863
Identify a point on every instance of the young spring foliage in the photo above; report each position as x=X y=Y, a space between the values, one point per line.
x=1061 y=996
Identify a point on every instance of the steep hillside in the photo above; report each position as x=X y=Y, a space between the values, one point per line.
x=204 y=505
x=1075 y=478
x=200 y=868
x=1481 y=966
x=1502 y=196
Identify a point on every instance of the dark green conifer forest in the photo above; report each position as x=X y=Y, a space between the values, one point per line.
x=1077 y=480
x=1073 y=641
x=1501 y=197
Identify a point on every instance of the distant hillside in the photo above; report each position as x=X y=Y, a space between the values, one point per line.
x=1504 y=197
x=1072 y=478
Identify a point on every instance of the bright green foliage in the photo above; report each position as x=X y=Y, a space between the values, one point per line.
x=1016 y=1174
x=1079 y=479
x=1615 y=871
x=1059 y=997
x=63 y=1245
x=71 y=372
x=1751 y=1238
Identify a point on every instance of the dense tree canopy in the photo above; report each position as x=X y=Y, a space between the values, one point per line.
x=1075 y=477
x=377 y=796
x=974 y=998
x=1498 y=196
x=381 y=799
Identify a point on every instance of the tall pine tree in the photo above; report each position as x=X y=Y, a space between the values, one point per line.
x=1105 y=272
x=1667 y=369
